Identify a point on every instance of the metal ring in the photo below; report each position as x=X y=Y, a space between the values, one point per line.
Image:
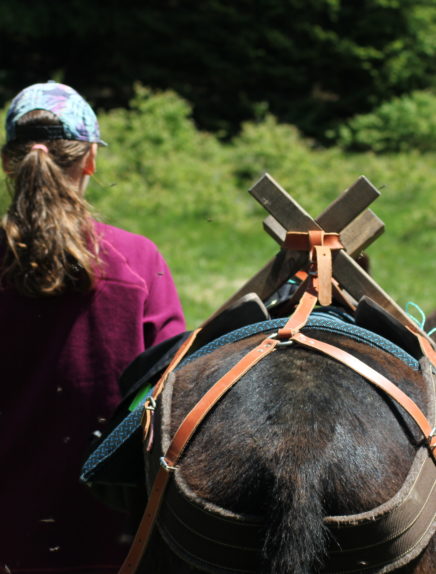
x=287 y=343
x=151 y=406
x=165 y=465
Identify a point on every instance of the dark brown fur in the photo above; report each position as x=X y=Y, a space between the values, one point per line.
x=300 y=437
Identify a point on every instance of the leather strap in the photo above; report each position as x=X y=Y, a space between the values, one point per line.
x=213 y=395
x=150 y=401
x=178 y=444
x=325 y=269
x=376 y=379
x=340 y=295
x=319 y=244
x=304 y=308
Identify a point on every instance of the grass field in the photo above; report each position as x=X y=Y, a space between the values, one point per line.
x=211 y=256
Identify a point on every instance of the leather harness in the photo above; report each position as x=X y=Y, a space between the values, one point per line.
x=384 y=538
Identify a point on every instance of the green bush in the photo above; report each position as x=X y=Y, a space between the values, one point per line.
x=402 y=124
x=269 y=146
x=155 y=149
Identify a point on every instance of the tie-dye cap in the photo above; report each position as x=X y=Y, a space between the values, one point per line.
x=78 y=120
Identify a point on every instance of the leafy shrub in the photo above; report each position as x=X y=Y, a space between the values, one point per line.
x=280 y=149
x=402 y=124
x=157 y=158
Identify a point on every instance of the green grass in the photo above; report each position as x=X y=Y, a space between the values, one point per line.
x=211 y=257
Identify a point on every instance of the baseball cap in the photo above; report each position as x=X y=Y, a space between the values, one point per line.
x=78 y=120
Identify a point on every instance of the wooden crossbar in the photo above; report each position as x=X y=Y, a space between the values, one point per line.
x=348 y=215
x=290 y=216
x=356 y=236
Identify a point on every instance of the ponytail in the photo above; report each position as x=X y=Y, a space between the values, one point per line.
x=50 y=243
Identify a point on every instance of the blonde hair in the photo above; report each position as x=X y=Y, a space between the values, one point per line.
x=50 y=243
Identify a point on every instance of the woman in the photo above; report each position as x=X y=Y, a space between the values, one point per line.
x=78 y=301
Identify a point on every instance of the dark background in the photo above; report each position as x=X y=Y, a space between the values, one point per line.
x=312 y=63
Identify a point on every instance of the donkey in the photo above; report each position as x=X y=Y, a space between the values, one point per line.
x=299 y=438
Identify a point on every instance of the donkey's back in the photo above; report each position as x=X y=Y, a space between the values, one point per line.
x=299 y=438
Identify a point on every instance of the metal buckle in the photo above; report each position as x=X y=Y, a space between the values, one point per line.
x=151 y=406
x=281 y=343
x=165 y=465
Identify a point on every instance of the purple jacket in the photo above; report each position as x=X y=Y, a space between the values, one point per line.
x=61 y=358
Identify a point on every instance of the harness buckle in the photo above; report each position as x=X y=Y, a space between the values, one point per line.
x=150 y=404
x=166 y=466
x=284 y=343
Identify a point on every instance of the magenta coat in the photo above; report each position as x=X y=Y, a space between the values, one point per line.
x=60 y=362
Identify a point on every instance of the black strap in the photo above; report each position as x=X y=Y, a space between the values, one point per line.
x=40 y=133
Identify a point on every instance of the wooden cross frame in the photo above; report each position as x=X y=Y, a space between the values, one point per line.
x=348 y=215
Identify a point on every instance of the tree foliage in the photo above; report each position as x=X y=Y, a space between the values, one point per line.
x=406 y=123
x=311 y=63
